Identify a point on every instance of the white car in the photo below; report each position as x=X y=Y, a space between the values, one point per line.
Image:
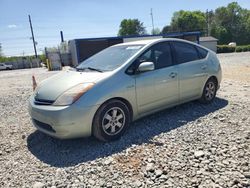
x=232 y=44
x=4 y=66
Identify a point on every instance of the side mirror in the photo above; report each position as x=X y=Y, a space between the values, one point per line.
x=146 y=66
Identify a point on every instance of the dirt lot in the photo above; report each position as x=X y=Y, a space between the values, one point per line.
x=192 y=145
x=236 y=66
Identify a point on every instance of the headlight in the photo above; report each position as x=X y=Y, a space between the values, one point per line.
x=73 y=94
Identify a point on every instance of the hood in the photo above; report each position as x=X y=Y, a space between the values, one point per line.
x=51 y=88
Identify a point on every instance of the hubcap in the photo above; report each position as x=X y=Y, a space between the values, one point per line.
x=210 y=91
x=113 y=121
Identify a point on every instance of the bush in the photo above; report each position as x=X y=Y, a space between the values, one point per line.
x=239 y=49
x=243 y=48
x=225 y=49
x=230 y=49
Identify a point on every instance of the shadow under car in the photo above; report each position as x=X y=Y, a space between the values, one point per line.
x=65 y=153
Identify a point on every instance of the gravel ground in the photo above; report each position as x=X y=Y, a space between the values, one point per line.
x=192 y=145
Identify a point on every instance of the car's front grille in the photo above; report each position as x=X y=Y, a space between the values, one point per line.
x=44 y=126
x=43 y=102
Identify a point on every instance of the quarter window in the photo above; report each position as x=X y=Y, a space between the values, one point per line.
x=185 y=52
x=202 y=52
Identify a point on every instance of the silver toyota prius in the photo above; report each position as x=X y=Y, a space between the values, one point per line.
x=122 y=83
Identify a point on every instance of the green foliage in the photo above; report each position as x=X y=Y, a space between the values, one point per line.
x=131 y=27
x=166 y=29
x=4 y=59
x=245 y=48
x=42 y=58
x=222 y=34
x=230 y=49
x=227 y=24
x=156 y=31
x=225 y=49
x=186 y=21
x=1 y=53
x=7 y=59
x=231 y=24
x=238 y=49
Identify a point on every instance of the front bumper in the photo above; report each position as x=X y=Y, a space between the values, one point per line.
x=62 y=122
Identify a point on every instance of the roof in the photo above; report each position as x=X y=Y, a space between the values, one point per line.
x=174 y=34
x=150 y=41
x=139 y=42
x=206 y=39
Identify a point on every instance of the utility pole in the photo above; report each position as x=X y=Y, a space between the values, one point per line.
x=207 y=21
x=61 y=33
x=33 y=38
x=152 y=18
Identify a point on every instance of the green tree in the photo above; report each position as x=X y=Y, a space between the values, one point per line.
x=166 y=29
x=231 y=24
x=1 y=52
x=221 y=33
x=131 y=27
x=42 y=57
x=156 y=31
x=188 y=21
x=247 y=23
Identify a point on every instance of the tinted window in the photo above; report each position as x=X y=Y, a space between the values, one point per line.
x=185 y=52
x=202 y=52
x=159 y=54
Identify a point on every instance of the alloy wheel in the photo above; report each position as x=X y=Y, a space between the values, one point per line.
x=113 y=121
x=210 y=91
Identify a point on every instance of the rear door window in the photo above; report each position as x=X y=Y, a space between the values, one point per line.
x=185 y=52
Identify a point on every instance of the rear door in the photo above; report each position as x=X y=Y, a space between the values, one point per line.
x=158 y=88
x=192 y=70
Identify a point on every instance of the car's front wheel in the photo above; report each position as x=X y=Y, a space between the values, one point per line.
x=209 y=91
x=111 y=120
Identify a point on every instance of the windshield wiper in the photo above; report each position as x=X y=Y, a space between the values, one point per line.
x=89 y=68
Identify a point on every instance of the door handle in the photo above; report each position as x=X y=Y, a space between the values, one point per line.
x=203 y=67
x=173 y=74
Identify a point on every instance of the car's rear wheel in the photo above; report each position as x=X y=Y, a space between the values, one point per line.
x=111 y=120
x=209 y=91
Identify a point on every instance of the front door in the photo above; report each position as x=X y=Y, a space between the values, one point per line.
x=158 y=88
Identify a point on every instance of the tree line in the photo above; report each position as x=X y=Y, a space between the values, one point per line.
x=229 y=23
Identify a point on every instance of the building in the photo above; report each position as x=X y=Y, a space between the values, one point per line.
x=209 y=42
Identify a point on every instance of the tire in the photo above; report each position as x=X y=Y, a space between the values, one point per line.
x=209 y=91
x=111 y=121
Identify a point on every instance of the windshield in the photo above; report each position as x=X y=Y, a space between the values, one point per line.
x=109 y=59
